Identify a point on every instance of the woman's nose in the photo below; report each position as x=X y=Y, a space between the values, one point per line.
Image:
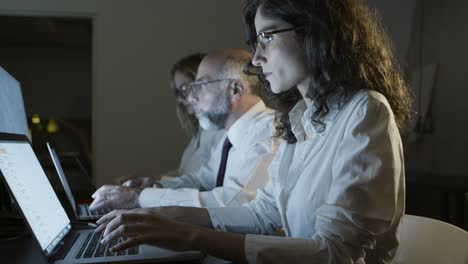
x=258 y=58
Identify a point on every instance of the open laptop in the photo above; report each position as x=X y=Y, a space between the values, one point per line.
x=50 y=225
x=81 y=211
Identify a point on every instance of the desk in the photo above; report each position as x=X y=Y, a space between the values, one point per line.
x=21 y=251
x=453 y=188
x=25 y=251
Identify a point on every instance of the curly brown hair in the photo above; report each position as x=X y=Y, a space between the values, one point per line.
x=346 y=48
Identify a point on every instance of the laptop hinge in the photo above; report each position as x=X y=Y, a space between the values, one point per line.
x=64 y=247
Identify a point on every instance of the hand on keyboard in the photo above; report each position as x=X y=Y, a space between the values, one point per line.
x=115 y=197
x=142 y=226
x=92 y=248
x=139 y=181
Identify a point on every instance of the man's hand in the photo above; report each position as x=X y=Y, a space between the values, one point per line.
x=142 y=226
x=139 y=182
x=115 y=197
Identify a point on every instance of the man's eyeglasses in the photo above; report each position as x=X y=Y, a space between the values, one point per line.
x=195 y=87
x=265 y=37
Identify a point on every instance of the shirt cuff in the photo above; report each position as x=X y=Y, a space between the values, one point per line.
x=168 y=182
x=154 y=197
x=151 y=197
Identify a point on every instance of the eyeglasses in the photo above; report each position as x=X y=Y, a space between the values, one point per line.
x=195 y=87
x=182 y=91
x=265 y=37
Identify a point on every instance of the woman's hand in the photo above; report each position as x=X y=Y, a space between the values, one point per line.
x=142 y=226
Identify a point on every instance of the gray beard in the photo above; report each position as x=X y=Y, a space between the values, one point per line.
x=216 y=117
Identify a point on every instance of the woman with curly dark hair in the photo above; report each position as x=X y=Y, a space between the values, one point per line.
x=337 y=182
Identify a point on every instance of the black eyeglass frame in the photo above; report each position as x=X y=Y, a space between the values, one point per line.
x=265 y=34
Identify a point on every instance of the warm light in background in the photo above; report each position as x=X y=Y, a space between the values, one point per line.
x=52 y=126
x=36 y=119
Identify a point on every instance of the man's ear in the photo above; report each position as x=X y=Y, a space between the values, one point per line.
x=237 y=90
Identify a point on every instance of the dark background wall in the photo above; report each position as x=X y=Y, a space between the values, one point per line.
x=134 y=44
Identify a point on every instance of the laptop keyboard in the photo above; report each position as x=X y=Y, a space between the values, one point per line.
x=93 y=248
x=84 y=210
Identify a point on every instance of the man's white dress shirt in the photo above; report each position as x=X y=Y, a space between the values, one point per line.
x=253 y=148
x=199 y=149
x=337 y=193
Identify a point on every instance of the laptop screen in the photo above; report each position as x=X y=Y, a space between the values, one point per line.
x=61 y=175
x=33 y=192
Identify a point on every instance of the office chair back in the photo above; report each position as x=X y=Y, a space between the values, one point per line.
x=425 y=240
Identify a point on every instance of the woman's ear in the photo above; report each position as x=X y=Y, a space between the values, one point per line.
x=237 y=90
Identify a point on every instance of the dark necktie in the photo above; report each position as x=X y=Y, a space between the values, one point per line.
x=222 y=166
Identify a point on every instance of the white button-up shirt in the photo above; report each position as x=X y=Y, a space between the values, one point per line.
x=199 y=149
x=253 y=149
x=337 y=193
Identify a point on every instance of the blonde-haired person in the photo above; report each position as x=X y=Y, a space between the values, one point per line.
x=198 y=150
x=202 y=141
x=182 y=73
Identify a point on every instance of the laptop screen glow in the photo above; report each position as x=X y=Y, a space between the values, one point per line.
x=61 y=174
x=33 y=192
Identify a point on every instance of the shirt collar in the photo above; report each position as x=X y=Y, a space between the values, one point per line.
x=295 y=116
x=300 y=117
x=242 y=127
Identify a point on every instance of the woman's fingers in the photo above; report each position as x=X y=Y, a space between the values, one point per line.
x=131 y=242
x=109 y=216
x=122 y=219
x=127 y=230
x=136 y=225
